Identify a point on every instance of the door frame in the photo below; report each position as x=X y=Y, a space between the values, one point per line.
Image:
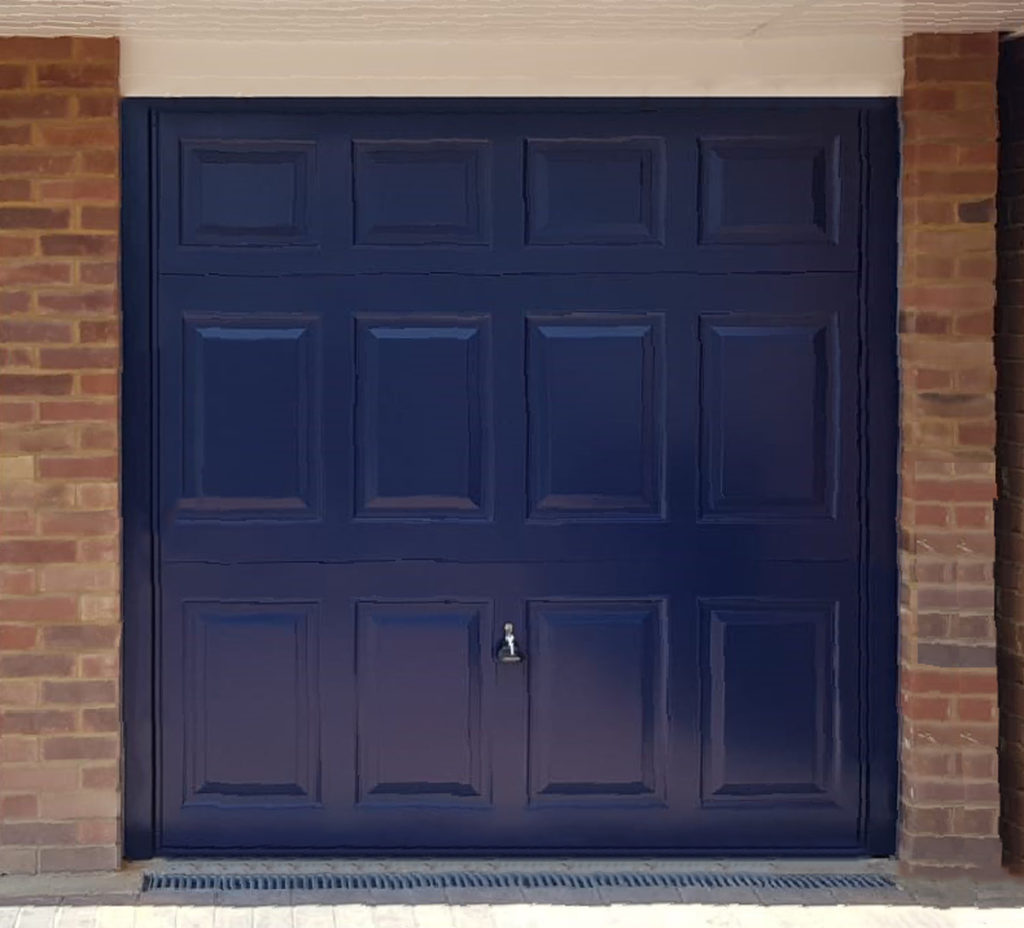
x=878 y=431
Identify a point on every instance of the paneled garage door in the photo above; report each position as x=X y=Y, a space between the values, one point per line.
x=511 y=473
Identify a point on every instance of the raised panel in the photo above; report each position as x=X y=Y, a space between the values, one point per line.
x=247 y=192
x=251 y=444
x=422 y=192
x=596 y=416
x=597 y=702
x=251 y=712
x=420 y=695
x=595 y=191
x=423 y=413
x=770 y=701
x=769 y=424
x=767 y=190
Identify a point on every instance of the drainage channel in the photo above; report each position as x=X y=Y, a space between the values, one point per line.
x=479 y=879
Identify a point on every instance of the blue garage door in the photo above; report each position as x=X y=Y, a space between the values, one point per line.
x=511 y=479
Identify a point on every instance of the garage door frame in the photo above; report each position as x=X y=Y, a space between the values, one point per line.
x=878 y=438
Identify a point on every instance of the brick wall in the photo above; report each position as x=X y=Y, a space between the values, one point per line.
x=949 y=787
x=1010 y=447
x=59 y=520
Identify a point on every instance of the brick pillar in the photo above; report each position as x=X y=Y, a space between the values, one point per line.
x=59 y=520
x=1010 y=450
x=949 y=786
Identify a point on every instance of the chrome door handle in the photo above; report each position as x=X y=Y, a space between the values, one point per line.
x=509 y=652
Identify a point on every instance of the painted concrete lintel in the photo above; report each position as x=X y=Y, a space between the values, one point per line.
x=852 y=66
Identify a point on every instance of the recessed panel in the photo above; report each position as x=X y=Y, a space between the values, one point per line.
x=422 y=192
x=595 y=191
x=768 y=414
x=418 y=668
x=769 y=191
x=597 y=702
x=423 y=417
x=247 y=192
x=596 y=416
x=770 y=701
x=251 y=418
x=251 y=704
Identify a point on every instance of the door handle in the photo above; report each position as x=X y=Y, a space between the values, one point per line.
x=510 y=652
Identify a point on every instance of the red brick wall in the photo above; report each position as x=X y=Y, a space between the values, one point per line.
x=949 y=787
x=1010 y=449
x=59 y=520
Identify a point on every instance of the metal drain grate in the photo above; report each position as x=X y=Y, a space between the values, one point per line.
x=479 y=879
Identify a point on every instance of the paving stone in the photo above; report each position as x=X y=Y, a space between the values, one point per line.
x=156 y=916
x=20 y=901
x=105 y=898
x=472 y=916
x=516 y=916
x=169 y=897
x=272 y=916
x=353 y=916
x=940 y=893
x=201 y=916
x=424 y=895
x=432 y=916
x=230 y=917
x=312 y=916
x=639 y=895
x=393 y=916
x=706 y=895
x=79 y=916
x=795 y=916
x=892 y=895
x=41 y=916
x=244 y=898
x=345 y=898
x=496 y=895
x=116 y=916
x=561 y=895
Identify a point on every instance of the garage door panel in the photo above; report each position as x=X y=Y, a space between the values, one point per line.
x=422 y=689
x=598 y=724
x=770 y=700
x=423 y=413
x=776 y=454
x=422 y=192
x=778 y=191
x=249 y=193
x=595 y=191
x=770 y=190
x=256 y=699
x=254 y=460
x=596 y=408
x=251 y=417
x=270 y=187
x=250 y=703
x=769 y=412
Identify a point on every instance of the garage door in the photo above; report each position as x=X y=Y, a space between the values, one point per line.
x=510 y=469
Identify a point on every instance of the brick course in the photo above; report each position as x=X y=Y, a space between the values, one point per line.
x=949 y=789
x=59 y=439
x=1010 y=399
